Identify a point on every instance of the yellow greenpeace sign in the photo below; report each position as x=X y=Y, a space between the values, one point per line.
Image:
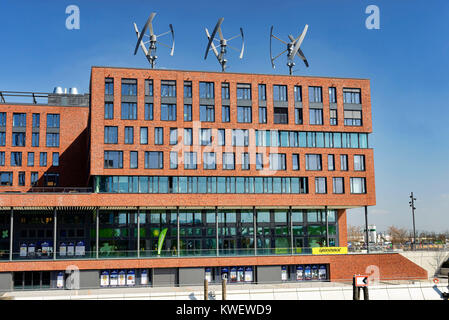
x=330 y=250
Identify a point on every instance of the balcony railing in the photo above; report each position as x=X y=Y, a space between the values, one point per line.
x=60 y=190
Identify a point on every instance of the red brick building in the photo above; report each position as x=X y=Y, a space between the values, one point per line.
x=181 y=175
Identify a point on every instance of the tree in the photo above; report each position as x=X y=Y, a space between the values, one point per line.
x=355 y=233
x=398 y=235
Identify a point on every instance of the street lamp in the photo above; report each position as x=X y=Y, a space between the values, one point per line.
x=412 y=205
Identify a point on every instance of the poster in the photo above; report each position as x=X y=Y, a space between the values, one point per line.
x=307 y=273
x=131 y=278
x=80 y=249
x=240 y=274
x=249 y=274
x=224 y=273
x=144 y=277
x=322 y=272
x=70 y=249
x=233 y=274
x=314 y=272
x=122 y=278
x=113 y=278
x=284 y=274
x=299 y=273
x=23 y=250
x=60 y=280
x=208 y=274
x=62 y=249
x=104 y=278
x=31 y=249
x=46 y=249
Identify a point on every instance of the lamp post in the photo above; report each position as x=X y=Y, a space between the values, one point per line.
x=412 y=205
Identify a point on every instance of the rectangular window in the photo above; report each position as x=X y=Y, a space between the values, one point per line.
x=298 y=93
x=36 y=120
x=21 y=178
x=358 y=185
x=18 y=139
x=2 y=158
x=315 y=94
x=109 y=86
x=209 y=161
x=113 y=159
x=225 y=91
x=228 y=161
x=344 y=162
x=190 y=162
x=298 y=116
x=35 y=139
x=262 y=115
x=188 y=138
x=148 y=111
x=333 y=117
x=225 y=114
x=53 y=120
x=34 y=178
x=245 y=161
x=277 y=161
x=187 y=112
x=359 y=162
x=338 y=185
x=332 y=95
x=221 y=137
x=143 y=135
x=129 y=87
x=129 y=135
x=240 y=138
x=129 y=111
x=6 y=178
x=149 y=87
x=43 y=159
x=330 y=162
x=353 y=118
x=244 y=114
x=16 y=159
x=168 y=88
x=295 y=161
x=110 y=135
x=2 y=119
x=351 y=96
x=206 y=90
x=173 y=160
x=280 y=115
x=154 y=160
x=262 y=92
x=316 y=116
x=187 y=89
x=109 y=110
x=313 y=162
x=259 y=161
x=206 y=137
x=30 y=161
x=243 y=91
x=158 y=136
x=279 y=93
x=168 y=112
x=52 y=140
x=320 y=185
x=55 y=158
x=207 y=113
x=19 y=120
x=133 y=159
x=173 y=136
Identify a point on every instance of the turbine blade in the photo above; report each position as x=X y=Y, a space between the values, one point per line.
x=243 y=43
x=142 y=33
x=212 y=46
x=212 y=36
x=173 y=39
x=299 y=42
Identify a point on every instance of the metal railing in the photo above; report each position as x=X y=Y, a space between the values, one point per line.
x=60 y=190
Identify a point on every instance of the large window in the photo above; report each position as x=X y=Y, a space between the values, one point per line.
x=315 y=94
x=52 y=140
x=358 y=185
x=338 y=185
x=5 y=178
x=277 y=161
x=240 y=138
x=320 y=185
x=209 y=161
x=351 y=96
x=173 y=160
x=244 y=114
x=110 y=135
x=16 y=159
x=129 y=87
x=353 y=118
x=279 y=93
x=173 y=136
x=113 y=159
x=19 y=120
x=53 y=120
x=243 y=91
x=228 y=161
x=168 y=112
x=280 y=115
x=207 y=113
x=129 y=111
x=207 y=90
x=168 y=88
x=36 y=120
x=359 y=162
x=316 y=116
x=190 y=160
x=313 y=162
x=18 y=139
x=154 y=160
x=206 y=137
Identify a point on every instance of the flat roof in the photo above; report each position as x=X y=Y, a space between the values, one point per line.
x=216 y=72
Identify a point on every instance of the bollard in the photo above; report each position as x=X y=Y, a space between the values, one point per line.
x=365 y=293
x=223 y=289
x=206 y=289
x=355 y=290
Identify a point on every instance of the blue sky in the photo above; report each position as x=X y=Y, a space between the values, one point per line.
x=406 y=61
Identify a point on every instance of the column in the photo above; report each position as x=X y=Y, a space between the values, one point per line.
x=291 y=228
x=178 y=237
x=55 y=225
x=327 y=226
x=366 y=229
x=216 y=231
x=97 y=231
x=255 y=230
x=138 y=232
x=11 y=230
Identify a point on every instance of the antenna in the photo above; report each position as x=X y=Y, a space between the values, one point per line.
x=223 y=44
x=293 y=49
x=150 y=52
